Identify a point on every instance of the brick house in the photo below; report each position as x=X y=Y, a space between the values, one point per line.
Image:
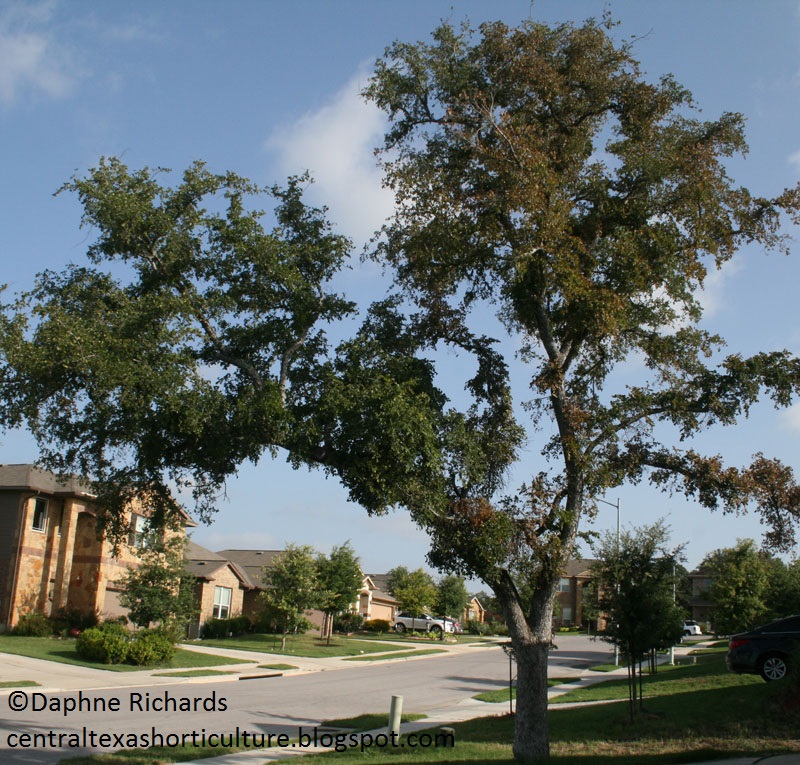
x=51 y=555
x=220 y=586
x=570 y=594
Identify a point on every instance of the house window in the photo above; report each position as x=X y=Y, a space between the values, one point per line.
x=222 y=602
x=563 y=584
x=40 y=515
x=139 y=529
x=566 y=616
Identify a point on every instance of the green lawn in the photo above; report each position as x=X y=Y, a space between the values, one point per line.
x=308 y=646
x=18 y=684
x=400 y=655
x=420 y=637
x=501 y=695
x=63 y=651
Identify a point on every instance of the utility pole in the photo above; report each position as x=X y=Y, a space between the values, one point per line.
x=616 y=576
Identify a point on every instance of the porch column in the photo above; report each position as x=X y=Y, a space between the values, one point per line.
x=66 y=551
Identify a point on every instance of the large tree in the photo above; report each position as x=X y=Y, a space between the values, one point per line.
x=540 y=177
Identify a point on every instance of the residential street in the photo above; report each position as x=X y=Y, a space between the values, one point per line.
x=332 y=688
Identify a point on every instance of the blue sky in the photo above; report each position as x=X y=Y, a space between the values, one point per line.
x=270 y=88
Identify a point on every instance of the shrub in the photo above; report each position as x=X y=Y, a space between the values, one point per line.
x=348 y=622
x=216 y=629
x=150 y=647
x=240 y=625
x=474 y=627
x=107 y=644
x=376 y=625
x=33 y=625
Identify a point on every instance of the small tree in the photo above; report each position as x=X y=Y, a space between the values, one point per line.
x=739 y=577
x=635 y=576
x=159 y=590
x=340 y=580
x=291 y=587
x=414 y=591
x=451 y=596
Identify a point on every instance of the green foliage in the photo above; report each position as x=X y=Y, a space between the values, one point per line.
x=377 y=625
x=451 y=596
x=415 y=591
x=159 y=590
x=217 y=629
x=107 y=643
x=203 y=284
x=636 y=578
x=347 y=623
x=66 y=619
x=339 y=579
x=739 y=581
x=539 y=175
x=33 y=625
x=150 y=647
x=749 y=587
x=291 y=588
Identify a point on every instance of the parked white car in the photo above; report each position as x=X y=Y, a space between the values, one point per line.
x=691 y=628
x=424 y=623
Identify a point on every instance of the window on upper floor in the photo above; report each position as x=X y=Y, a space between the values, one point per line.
x=40 y=515
x=563 y=584
x=140 y=528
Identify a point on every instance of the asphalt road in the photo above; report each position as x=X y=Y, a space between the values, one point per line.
x=269 y=705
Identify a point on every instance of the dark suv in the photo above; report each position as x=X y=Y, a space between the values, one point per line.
x=766 y=650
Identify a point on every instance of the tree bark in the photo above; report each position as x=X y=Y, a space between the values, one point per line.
x=531 y=737
x=530 y=639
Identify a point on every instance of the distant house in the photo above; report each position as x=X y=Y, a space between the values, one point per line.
x=220 y=586
x=474 y=612
x=251 y=563
x=701 y=604
x=570 y=594
x=51 y=554
x=374 y=600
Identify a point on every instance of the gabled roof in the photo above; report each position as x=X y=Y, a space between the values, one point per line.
x=580 y=567
x=26 y=477
x=380 y=589
x=251 y=562
x=205 y=564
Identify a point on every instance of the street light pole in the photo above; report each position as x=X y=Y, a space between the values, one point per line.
x=616 y=505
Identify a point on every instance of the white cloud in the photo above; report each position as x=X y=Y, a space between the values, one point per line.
x=791 y=417
x=712 y=296
x=794 y=159
x=335 y=144
x=29 y=57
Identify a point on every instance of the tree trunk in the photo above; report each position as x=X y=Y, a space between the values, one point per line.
x=531 y=736
x=530 y=639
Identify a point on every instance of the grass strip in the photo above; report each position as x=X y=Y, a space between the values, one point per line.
x=19 y=684
x=502 y=694
x=308 y=646
x=193 y=673
x=63 y=651
x=277 y=666
x=400 y=655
